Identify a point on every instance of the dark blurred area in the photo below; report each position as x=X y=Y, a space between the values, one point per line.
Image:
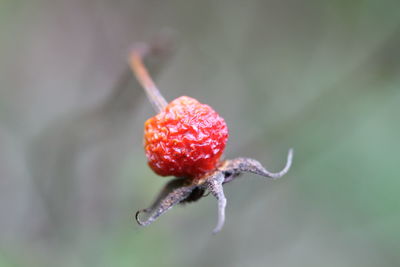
x=320 y=76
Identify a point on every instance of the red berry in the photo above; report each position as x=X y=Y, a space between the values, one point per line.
x=186 y=139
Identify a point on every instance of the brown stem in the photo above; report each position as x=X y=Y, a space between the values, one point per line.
x=139 y=69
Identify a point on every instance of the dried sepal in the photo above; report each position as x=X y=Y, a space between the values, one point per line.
x=173 y=193
x=234 y=167
x=181 y=190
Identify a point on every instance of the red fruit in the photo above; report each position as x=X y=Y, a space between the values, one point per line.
x=186 y=139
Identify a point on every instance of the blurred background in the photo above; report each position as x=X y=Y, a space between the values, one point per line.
x=319 y=76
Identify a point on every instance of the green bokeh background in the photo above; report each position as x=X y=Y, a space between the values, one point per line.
x=320 y=76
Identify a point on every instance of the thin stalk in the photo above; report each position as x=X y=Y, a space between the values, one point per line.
x=139 y=69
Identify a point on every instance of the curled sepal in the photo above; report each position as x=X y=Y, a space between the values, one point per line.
x=214 y=186
x=233 y=168
x=173 y=193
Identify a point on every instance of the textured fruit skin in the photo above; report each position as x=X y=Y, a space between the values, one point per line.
x=186 y=139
